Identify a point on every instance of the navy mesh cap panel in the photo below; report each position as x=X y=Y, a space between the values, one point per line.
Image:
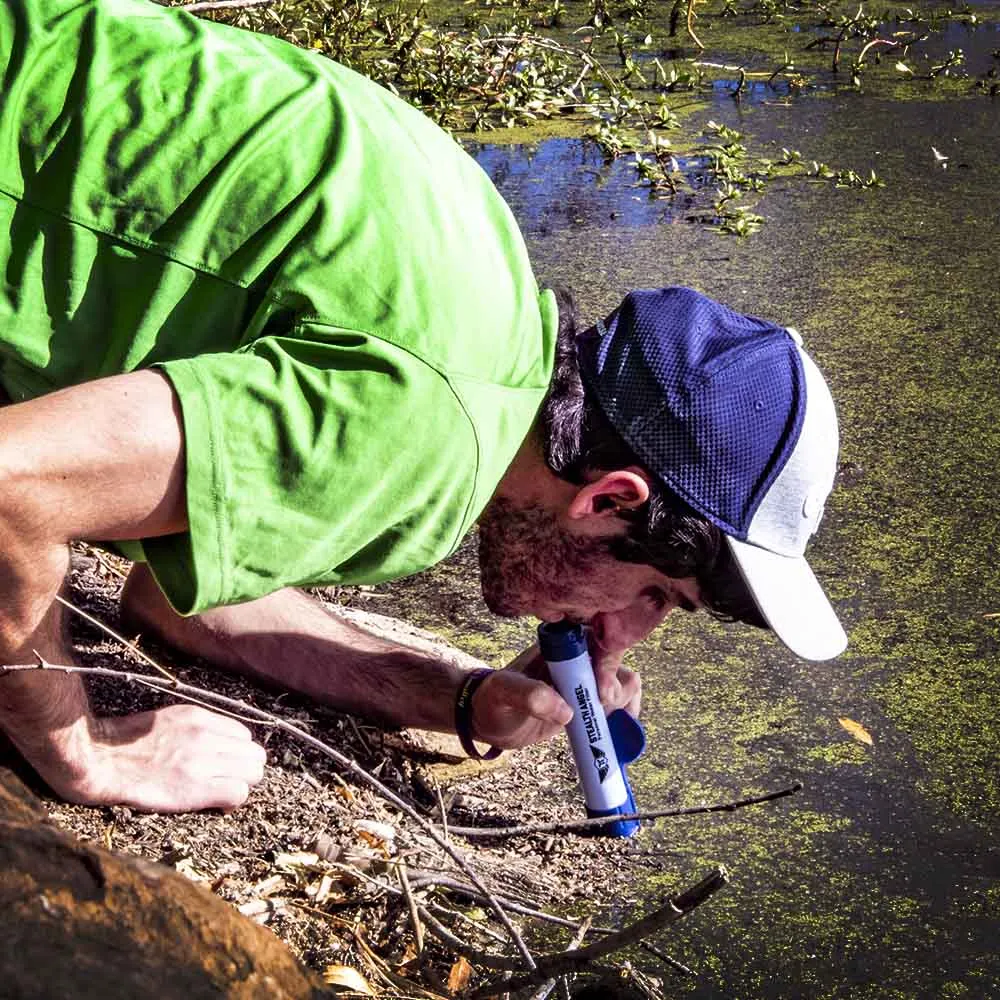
x=711 y=401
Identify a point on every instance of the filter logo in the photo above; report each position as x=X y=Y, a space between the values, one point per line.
x=600 y=762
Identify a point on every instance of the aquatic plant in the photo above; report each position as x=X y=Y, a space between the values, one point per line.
x=607 y=70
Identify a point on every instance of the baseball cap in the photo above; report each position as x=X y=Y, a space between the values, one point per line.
x=735 y=418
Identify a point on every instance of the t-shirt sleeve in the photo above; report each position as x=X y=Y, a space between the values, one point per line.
x=327 y=457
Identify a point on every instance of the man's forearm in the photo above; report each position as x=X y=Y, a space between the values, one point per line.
x=292 y=641
x=101 y=460
x=44 y=713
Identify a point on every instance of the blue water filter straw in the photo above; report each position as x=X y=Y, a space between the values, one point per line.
x=601 y=744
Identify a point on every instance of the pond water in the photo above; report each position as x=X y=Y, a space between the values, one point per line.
x=881 y=879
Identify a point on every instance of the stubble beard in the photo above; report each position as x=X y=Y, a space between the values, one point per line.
x=526 y=559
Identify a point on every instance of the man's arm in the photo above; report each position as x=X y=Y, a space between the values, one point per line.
x=102 y=460
x=292 y=641
x=105 y=460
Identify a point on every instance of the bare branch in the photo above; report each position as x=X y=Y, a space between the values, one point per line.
x=889 y=43
x=690 y=24
x=574 y=961
x=546 y=988
x=411 y=903
x=419 y=880
x=114 y=635
x=666 y=959
x=567 y=826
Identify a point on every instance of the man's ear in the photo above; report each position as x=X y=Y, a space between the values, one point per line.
x=605 y=496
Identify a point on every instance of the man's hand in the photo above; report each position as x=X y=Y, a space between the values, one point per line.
x=518 y=706
x=619 y=687
x=174 y=759
x=512 y=710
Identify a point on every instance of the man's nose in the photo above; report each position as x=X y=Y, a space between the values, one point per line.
x=616 y=631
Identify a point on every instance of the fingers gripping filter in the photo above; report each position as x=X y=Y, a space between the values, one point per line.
x=733 y=416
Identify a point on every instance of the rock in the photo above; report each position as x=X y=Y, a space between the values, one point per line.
x=85 y=923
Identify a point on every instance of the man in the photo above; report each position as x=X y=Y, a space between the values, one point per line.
x=269 y=326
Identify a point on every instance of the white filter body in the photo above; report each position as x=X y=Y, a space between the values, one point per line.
x=596 y=761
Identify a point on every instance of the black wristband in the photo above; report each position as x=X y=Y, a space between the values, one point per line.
x=463 y=715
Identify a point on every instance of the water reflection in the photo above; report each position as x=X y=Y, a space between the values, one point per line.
x=567 y=183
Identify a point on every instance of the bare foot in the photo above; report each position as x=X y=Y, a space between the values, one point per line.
x=176 y=759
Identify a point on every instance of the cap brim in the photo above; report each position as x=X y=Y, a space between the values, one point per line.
x=790 y=598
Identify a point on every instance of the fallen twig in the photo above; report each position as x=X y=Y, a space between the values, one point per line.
x=145 y=657
x=567 y=826
x=411 y=903
x=443 y=810
x=481 y=927
x=690 y=24
x=666 y=959
x=484 y=958
x=889 y=43
x=419 y=881
x=546 y=988
x=574 y=961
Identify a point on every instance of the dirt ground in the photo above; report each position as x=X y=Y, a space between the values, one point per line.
x=316 y=857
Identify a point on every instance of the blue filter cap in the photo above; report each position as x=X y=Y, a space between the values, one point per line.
x=627 y=735
x=560 y=641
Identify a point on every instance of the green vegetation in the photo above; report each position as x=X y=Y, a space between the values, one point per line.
x=624 y=74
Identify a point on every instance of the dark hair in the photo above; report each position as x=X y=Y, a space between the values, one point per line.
x=665 y=532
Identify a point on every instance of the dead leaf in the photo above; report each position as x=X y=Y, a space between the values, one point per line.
x=296 y=859
x=380 y=836
x=857 y=731
x=370 y=839
x=409 y=954
x=382 y=831
x=459 y=976
x=350 y=979
x=261 y=910
x=326 y=847
x=321 y=891
x=363 y=859
x=187 y=868
x=220 y=882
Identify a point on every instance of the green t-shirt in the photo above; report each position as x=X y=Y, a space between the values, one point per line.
x=339 y=296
